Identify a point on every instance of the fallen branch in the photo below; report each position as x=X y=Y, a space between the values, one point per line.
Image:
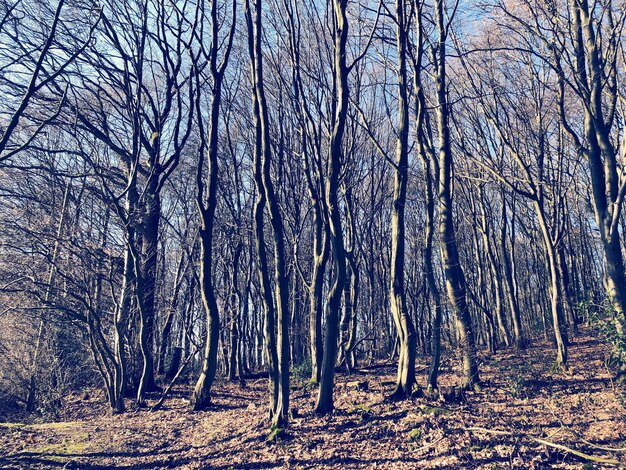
x=182 y=367
x=430 y=444
x=582 y=455
x=582 y=439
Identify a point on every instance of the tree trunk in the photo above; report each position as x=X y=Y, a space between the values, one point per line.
x=235 y=308
x=429 y=271
x=149 y=230
x=455 y=278
x=601 y=154
x=320 y=257
x=278 y=316
x=206 y=201
x=518 y=336
x=325 y=395
x=560 y=331
x=169 y=319
x=405 y=380
x=495 y=271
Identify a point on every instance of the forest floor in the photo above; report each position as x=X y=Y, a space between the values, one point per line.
x=521 y=396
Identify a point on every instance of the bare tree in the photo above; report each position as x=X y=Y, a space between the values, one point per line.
x=278 y=351
x=207 y=57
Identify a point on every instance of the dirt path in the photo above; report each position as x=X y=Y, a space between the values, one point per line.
x=520 y=395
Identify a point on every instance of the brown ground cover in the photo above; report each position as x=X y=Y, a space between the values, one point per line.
x=521 y=395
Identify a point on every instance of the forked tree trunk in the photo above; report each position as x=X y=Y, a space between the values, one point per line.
x=600 y=152
x=277 y=315
x=427 y=156
x=314 y=188
x=119 y=328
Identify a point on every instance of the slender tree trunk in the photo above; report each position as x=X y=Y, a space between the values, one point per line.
x=429 y=231
x=278 y=316
x=495 y=272
x=354 y=299
x=560 y=331
x=455 y=278
x=235 y=308
x=433 y=371
x=518 y=337
x=32 y=384
x=321 y=249
x=568 y=302
x=482 y=299
x=348 y=320
x=325 y=396
x=206 y=201
x=314 y=187
x=405 y=380
x=169 y=319
x=119 y=327
x=201 y=396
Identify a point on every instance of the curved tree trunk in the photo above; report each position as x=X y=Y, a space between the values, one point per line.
x=206 y=201
x=606 y=183
x=201 y=396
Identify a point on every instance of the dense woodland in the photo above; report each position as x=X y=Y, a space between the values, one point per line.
x=196 y=191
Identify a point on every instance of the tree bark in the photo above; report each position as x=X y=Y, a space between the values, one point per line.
x=455 y=278
x=206 y=202
x=325 y=396
x=276 y=316
x=518 y=336
x=405 y=380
